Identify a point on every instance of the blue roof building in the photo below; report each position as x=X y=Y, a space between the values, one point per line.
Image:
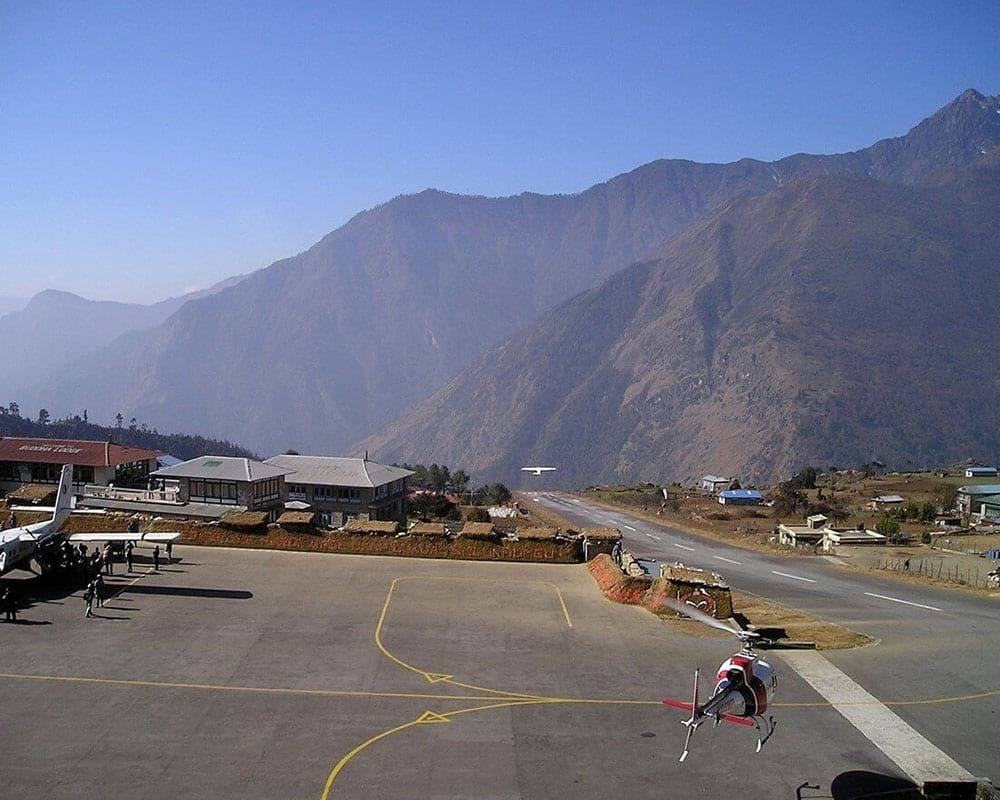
x=741 y=497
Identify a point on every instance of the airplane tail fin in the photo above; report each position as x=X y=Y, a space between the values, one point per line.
x=64 y=497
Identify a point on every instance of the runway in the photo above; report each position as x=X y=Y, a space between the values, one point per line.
x=933 y=642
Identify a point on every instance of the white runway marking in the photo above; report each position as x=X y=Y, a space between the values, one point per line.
x=654 y=538
x=683 y=547
x=793 y=577
x=916 y=756
x=904 y=602
x=629 y=527
x=729 y=560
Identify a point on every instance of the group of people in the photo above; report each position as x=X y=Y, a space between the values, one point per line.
x=11 y=522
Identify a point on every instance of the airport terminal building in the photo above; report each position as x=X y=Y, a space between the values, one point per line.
x=226 y=481
x=339 y=489
x=31 y=460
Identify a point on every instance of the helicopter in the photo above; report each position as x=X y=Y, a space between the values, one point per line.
x=744 y=685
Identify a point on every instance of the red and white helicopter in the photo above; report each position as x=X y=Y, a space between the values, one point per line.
x=744 y=685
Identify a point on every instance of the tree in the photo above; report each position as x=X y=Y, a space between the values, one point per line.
x=43 y=416
x=132 y=424
x=14 y=409
x=805 y=478
x=788 y=498
x=460 y=480
x=291 y=452
x=85 y=417
x=912 y=511
x=431 y=506
x=497 y=494
x=928 y=511
x=477 y=514
x=119 y=419
x=947 y=496
x=889 y=527
x=736 y=484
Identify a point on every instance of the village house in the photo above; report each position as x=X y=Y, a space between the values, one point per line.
x=740 y=497
x=885 y=502
x=980 y=472
x=715 y=483
x=817 y=531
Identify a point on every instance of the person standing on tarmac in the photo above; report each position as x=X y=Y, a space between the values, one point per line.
x=9 y=605
x=109 y=559
x=156 y=558
x=88 y=598
x=128 y=556
x=170 y=552
x=99 y=590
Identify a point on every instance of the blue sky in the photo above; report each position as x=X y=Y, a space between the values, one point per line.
x=151 y=148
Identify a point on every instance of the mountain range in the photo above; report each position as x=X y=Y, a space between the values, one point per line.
x=55 y=329
x=322 y=349
x=829 y=322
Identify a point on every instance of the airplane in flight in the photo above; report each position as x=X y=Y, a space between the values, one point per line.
x=20 y=545
x=538 y=470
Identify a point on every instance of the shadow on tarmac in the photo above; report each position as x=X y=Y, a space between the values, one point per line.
x=187 y=591
x=861 y=785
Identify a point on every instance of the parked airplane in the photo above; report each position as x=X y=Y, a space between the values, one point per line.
x=20 y=545
x=538 y=470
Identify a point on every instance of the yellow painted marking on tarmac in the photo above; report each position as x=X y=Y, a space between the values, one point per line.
x=441 y=677
x=431 y=717
x=423 y=719
x=357 y=749
x=247 y=689
x=569 y=623
x=130 y=583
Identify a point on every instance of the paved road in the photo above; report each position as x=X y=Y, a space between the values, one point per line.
x=934 y=642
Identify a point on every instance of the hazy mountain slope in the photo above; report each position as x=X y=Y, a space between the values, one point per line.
x=828 y=322
x=9 y=304
x=55 y=328
x=318 y=350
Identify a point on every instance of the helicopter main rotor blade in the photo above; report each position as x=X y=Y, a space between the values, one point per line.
x=695 y=613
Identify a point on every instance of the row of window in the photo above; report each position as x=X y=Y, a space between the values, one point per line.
x=45 y=473
x=201 y=491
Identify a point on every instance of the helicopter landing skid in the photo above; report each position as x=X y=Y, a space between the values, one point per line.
x=769 y=726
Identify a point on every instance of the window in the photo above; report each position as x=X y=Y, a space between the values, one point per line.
x=45 y=473
x=83 y=474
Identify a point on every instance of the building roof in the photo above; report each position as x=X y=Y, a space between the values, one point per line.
x=982 y=488
x=80 y=452
x=337 y=471
x=297 y=518
x=222 y=468
x=370 y=526
x=741 y=494
x=428 y=529
x=982 y=470
x=714 y=479
x=889 y=498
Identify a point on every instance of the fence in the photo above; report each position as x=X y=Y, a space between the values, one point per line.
x=979 y=577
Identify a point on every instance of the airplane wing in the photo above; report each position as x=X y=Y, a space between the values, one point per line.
x=119 y=536
x=52 y=510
